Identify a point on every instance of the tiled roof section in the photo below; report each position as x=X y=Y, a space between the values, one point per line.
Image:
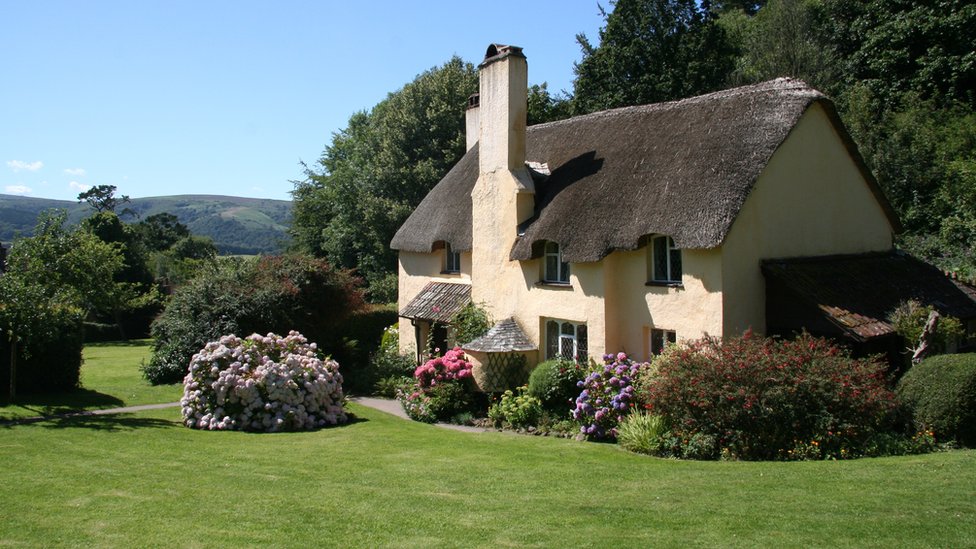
x=504 y=337
x=438 y=301
x=858 y=292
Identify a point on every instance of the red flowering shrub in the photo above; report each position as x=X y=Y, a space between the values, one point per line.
x=450 y=367
x=760 y=398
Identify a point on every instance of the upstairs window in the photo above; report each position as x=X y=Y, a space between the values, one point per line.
x=566 y=340
x=556 y=269
x=665 y=261
x=452 y=260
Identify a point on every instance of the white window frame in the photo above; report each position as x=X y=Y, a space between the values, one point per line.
x=561 y=274
x=452 y=259
x=670 y=277
x=568 y=336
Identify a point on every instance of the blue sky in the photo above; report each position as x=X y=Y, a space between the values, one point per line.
x=220 y=97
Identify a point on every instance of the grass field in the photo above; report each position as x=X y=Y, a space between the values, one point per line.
x=144 y=480
x=110 y=378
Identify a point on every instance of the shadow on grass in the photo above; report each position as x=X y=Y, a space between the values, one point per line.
x=129 y=343
x=63 y=403
x=106 y=422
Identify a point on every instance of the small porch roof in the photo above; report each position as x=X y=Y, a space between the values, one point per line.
x=504 y=337
x=438 y=302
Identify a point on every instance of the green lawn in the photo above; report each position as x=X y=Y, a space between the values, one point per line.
x=110 y=378
x=144 y=480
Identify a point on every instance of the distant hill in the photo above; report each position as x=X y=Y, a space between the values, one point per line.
x=236 y=225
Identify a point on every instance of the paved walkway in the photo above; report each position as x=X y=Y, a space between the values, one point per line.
x=387 y=405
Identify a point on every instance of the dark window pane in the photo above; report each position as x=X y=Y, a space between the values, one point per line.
x=660 y=258
x=552 y=338
x=675 y=263
x=564 y=272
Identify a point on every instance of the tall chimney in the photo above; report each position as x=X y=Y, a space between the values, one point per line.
x=503 y=96
x=472 y=121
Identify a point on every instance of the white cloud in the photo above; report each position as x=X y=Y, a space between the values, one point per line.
x=77 y=172
x=18 y=165
x=79 y=186
x=17 y=189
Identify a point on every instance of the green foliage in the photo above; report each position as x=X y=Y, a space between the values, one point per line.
x=102 y=198
x=909 y=319
x=470 y=323
x=642 y=433
x=941 y=394
x=518 y=410
x=377 y=170
x=758 y=398
x=52 y=280
x=271 y=294
x=782 y=39
x=158 y=232
x=651 y=51
x=387 y=366
x=545 y=107
x=555 y=383
x=441 y=402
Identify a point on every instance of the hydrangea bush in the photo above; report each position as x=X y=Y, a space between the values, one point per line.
x=607 y=396
x=262 y=383
x=441 y=388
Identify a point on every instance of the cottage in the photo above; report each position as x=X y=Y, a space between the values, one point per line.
x=627 y=229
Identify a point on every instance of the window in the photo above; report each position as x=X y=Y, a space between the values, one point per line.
x=660 y=339
x=566 y=340
x=557 y=270
x=452 y=260
x=665 y=261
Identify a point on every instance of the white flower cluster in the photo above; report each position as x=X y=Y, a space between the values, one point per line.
x=262 y=383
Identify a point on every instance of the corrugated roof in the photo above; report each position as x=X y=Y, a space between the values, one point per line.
x=438 y=301
x=504 y=337
x=682 y=168
x=858 y=292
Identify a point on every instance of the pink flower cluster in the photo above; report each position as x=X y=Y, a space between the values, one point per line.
x=450 y=367
x=262 y=383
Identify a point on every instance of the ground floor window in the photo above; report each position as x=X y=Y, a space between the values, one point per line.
x=660 y=339
x=566 y=339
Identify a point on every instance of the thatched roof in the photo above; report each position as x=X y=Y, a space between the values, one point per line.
x=505 y=337
x=682 y=168
x=857 y=293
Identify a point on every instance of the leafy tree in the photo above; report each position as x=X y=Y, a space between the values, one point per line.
x=651 y=51
x=545 y=107
x=102 y=198
x=377 y=170
x=898 y=46
x=783 y=39
x=52 y=280
x=271 y=294
x=160 y=231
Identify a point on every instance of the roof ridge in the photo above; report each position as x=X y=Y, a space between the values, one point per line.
x=782 y=84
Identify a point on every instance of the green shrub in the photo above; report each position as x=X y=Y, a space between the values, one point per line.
x=641 y=432
x=941 y=394
x=470 y=323
x=759 y=398
x=387 y=365
x=518 y=409
x=272 y=294
x=556 y=384
x=52 y=360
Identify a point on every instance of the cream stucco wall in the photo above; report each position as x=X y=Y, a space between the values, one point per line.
x=810 y=200
x=415 y=271
x=691 y=310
